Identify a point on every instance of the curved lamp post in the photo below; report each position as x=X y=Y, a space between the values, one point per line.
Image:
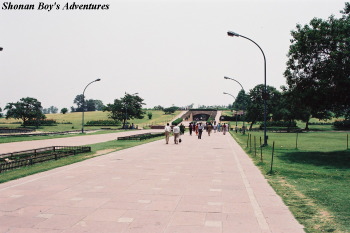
x=243 y=130
x=225 y=93
x=82 y=122
x=264 y=94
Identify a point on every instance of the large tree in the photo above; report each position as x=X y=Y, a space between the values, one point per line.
x=126 y=108
x=318 y=69
x=27 y=109
x=255 y=107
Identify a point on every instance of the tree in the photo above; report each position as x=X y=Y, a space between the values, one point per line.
x=255 y=108
x=79 y=101
x=53 y=109
x=64 y=110
x=158 y=107
x=126 y=108
x=27 y=109
x=1 y=112
x=318 y=67
x=90 y=105
x=170 y=110
x=99 y=105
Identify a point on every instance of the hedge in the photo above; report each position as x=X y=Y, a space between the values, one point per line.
x=102 y=123
x=177 y=121
x=345 y=124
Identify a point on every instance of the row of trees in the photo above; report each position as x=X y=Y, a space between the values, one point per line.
x=317 y=74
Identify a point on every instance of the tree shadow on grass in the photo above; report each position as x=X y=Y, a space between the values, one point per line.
x=334 y=159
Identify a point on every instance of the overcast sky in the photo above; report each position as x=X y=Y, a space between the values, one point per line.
x=169 y=51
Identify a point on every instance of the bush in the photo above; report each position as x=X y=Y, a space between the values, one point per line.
x=46 y=122
x=177 y=121
x=102 y=123
x=345 y=124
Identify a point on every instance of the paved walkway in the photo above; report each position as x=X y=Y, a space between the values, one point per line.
x=198 y=186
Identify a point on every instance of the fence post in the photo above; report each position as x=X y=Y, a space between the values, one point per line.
x=261 y=156
x=273 y=150
x=296 y=141
x=254 y=146
x=248 y=141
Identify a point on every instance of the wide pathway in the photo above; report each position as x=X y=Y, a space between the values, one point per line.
x=198 y=186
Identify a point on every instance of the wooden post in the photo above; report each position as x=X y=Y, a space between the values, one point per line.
x=273 y=150
x=254 y=146
x=261 y=156
x=248 y=141
x=296 y=141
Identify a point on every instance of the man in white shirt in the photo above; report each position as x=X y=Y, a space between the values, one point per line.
x=176 y=131
x=167 y=130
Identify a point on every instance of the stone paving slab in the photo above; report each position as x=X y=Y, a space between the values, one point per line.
x=197 y=186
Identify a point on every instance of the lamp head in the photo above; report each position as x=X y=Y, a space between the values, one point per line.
x=226 y=77
x=225 y=93
x=98 y=80
x=231 y=33
x=0 y=48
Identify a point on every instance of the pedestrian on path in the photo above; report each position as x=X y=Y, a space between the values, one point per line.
x=182 y=129
x=196 y=129
x=190 y=128
x=167 y=130
x=219 y=127
x=209 y=128
x=215 y=127
x=200 y=130
x=176 y=131
x=224 y=128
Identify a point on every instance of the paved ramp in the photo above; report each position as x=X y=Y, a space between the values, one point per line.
x=198 y=186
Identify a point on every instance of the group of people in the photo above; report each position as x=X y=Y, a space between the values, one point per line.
x=198 y=128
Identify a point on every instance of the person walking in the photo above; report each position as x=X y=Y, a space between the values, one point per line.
x=190 y=128
x=209 y=128
x=196 y=129
x=215 y=127
x=219 y=127
x=176 y=131
x=182 y=129
x=200 y=130
x=167 y=130
x=224 y=128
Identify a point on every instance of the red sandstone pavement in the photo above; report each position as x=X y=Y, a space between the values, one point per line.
x=198 y=186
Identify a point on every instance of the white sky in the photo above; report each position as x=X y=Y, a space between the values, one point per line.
x=170 y=52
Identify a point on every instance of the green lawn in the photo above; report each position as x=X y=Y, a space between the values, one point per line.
x=313 y=179
x=73 y=121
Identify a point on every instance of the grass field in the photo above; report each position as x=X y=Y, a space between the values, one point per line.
x=73 y=121
x=313 y=179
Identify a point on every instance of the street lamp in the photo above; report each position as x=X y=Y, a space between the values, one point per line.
x=264 y=94
x=0 y=48
x=225 y=93
x=82 y=122
x=243 y=129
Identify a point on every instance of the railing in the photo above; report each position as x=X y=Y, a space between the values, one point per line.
x=18 y=159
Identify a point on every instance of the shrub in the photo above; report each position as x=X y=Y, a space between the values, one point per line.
x=149 y=114
x=345 y=124
x=46 y=122
x=102 y=123
x=177 y=121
